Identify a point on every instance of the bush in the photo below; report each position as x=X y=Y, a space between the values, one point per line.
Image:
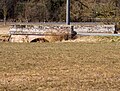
x=53 y=37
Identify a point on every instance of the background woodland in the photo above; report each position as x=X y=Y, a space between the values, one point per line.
x=55 y=10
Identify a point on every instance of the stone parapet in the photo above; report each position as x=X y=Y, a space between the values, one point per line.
x=41 y=29
x=94 y=28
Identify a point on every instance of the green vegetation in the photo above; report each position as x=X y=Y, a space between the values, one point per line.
x=59 y=66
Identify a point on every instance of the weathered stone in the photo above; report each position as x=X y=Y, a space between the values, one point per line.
x=94 y=28
x=47 y=33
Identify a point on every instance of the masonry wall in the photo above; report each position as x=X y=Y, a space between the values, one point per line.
x=94 y=28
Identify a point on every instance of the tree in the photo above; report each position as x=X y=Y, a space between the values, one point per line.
x=5 y=8
x=78 y=8
x=54 y=9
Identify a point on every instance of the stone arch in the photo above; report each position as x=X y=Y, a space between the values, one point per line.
x=41 y=40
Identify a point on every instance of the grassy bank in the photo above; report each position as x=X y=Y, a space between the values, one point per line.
x=60 y=67
x=96 y=39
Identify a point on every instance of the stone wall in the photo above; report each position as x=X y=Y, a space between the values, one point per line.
x=40 y=29
x=94 y=28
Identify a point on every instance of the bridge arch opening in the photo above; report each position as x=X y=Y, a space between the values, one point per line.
x=40 y=40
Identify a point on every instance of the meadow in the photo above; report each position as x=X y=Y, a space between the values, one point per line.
x=60 y=66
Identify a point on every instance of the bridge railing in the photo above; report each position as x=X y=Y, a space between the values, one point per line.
x=39 y=30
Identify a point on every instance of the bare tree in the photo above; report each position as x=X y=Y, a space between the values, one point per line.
x=5 y=7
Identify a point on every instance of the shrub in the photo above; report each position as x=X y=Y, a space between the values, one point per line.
x=53 y=37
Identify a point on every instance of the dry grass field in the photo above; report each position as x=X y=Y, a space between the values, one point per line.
x=60 y=66
x=4 y=29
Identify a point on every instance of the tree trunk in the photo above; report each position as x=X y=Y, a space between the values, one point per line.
x=4 y=20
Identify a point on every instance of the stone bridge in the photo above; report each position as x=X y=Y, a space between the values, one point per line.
x=25 y=38
x=48 y=33
x=41 y=33
x=36 y=38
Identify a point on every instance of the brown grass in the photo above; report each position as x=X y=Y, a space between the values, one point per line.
x=53 y=37
x=4 y=37
x=60 y=67
x=4 y=29
x=95 y=39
